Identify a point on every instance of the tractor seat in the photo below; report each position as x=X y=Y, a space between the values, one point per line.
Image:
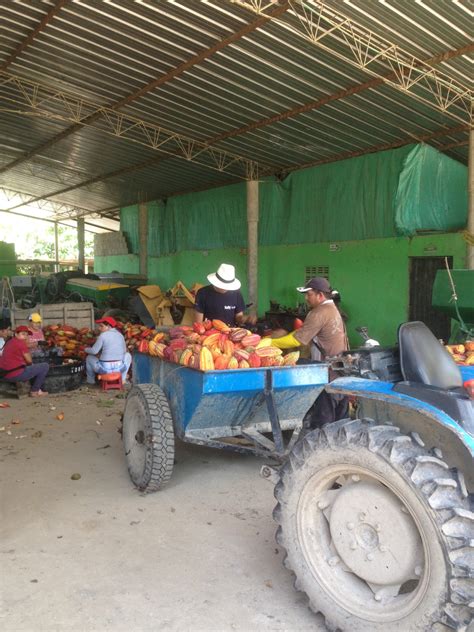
x=424 y=360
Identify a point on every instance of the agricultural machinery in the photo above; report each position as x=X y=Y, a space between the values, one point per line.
x=374 y=512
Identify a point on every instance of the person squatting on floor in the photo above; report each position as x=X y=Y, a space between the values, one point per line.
x=16 y=363
x=109 y=353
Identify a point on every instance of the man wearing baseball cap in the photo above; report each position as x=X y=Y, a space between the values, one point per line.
x=323 y=330
x=16 y=363
x=109 y=353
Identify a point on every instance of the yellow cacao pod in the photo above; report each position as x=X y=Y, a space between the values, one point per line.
x=233 y=363
x=186 y=357
x=291 y=358
x=206 y=361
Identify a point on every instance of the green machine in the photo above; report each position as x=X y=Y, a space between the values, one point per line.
x=102 y=293
x=66 y=286
x=453 y=294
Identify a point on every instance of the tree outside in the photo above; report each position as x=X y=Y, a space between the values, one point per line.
x=67 y=244
x=34 y=239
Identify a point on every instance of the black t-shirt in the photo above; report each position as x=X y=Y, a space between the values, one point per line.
x=220 y=306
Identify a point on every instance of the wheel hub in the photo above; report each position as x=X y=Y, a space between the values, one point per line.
x=372 y=535
x=366 y=537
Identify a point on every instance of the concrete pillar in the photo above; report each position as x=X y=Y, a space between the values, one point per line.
x=56 y=247
x=143 y=238
x=80 y=244
x=252 y=244
x=470 y=212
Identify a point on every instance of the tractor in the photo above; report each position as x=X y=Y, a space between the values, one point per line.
x=374 y=512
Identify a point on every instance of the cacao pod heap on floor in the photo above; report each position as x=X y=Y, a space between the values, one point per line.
x=73 y=341
x=214 y=345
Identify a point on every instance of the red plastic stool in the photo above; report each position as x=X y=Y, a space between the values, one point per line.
x=111 y=381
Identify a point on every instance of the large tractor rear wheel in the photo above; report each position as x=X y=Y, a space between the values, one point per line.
x=378 y=530
x=148 y=437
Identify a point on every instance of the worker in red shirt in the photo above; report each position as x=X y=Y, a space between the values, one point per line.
x=16 y=364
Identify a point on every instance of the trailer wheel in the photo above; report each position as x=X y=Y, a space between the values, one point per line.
x=378 y=530
x=148 y=437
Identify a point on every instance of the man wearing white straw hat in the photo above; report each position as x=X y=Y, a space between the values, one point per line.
x=222 y=299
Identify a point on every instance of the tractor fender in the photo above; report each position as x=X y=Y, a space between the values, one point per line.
x=433 y=427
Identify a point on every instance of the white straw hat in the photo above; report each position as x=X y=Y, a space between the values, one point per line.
x=224 y=278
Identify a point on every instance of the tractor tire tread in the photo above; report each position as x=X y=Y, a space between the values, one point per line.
x=433 y=479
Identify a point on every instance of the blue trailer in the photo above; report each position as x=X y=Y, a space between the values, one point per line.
x=257 y=411
x=375 y=512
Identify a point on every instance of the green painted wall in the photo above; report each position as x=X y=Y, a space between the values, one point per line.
x=7 y=253
x=372 y=275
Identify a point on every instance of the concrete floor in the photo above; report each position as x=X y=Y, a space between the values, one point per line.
x=93 y=554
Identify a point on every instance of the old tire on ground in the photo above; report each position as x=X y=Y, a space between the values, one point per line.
x=378 y=530
x=64 y=378
x=148 y=437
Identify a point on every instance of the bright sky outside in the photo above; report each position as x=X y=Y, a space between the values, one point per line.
x=33 y=238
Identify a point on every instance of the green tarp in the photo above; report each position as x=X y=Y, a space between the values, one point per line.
x=379 y=195
x=431 y=194
x=129 y=227
x=346 y=200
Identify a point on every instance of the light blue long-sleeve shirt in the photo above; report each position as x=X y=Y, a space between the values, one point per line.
x=110 y=344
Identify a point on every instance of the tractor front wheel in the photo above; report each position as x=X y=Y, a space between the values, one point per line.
x=378 y=530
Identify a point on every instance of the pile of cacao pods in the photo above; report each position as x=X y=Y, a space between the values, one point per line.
x=214 y=345
x=462 y=354
x=135 y=334
x=72 y=340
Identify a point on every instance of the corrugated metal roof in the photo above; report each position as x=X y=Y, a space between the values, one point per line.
x=273 y=91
